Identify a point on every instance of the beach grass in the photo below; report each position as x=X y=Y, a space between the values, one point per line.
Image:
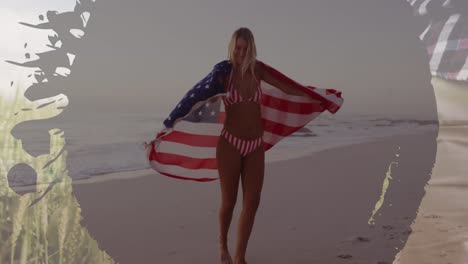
x=43 y=224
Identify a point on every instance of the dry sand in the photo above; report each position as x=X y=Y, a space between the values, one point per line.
x=440 y=232
x=314 y=209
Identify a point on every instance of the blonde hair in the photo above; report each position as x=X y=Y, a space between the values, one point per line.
x=251 y=54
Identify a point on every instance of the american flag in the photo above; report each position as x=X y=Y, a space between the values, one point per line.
x=186 y=147
x=445 y=36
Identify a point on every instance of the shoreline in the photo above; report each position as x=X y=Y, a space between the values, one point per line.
x=271 y=157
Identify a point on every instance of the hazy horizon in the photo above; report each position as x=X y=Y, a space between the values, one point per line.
x=142 y=56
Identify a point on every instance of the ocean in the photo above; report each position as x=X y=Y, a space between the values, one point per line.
x=110 y=152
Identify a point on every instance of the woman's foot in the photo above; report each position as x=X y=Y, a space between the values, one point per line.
x=225 y=256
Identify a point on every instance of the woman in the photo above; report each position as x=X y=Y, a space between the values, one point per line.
x=200 y=142
x=239 y=153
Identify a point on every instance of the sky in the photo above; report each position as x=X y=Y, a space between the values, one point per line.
x=14 y=36
x=142 y=56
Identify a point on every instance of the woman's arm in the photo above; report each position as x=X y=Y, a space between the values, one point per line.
x=223 y=81
x=272 y=80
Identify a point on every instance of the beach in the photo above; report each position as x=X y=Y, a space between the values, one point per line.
x=341 y=190
x=440 y=231
x=85 y=84
x=350 y=204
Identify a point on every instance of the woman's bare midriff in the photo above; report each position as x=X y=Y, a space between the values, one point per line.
x=244 y=120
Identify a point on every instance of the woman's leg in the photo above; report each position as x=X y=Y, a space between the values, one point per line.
x=229 y=167
x=253 y=167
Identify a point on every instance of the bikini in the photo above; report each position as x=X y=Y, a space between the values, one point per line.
x=244 y=146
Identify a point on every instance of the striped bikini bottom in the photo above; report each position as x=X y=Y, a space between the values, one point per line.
x=243 y=145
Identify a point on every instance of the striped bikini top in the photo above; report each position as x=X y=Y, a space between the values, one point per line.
x=233 y=96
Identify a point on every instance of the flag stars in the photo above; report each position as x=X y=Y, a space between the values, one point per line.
x=200 y=113
x=212 y=113
x=192 y=95
x=207 y=104
x=207 y=86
